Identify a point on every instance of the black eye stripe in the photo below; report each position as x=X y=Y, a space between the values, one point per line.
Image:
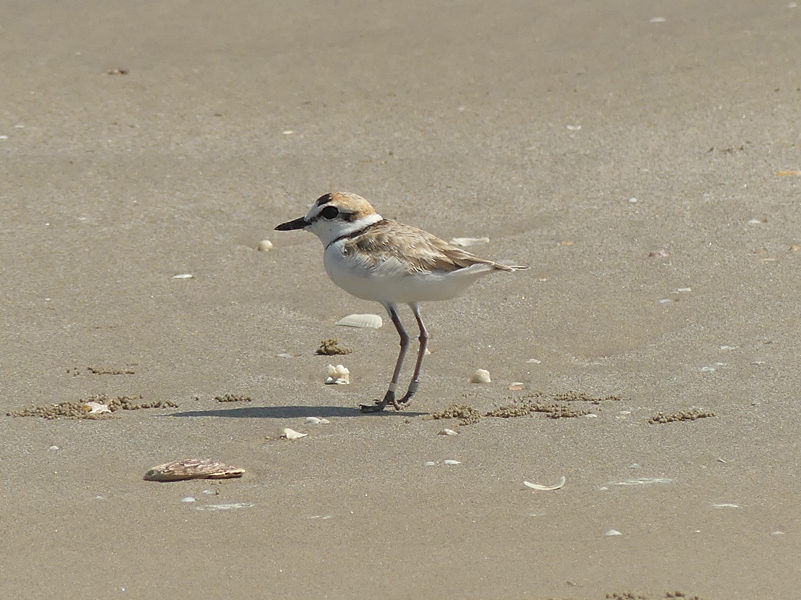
x=329 y=212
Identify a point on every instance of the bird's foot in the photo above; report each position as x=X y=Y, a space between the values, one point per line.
x=378 y=406
x=407 y=397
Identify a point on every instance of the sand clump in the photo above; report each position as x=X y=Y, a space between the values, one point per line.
x=681 y=415
x=330 y=347
x=233 y=398
x=82 y=409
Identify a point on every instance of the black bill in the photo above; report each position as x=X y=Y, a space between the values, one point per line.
x=300 y=223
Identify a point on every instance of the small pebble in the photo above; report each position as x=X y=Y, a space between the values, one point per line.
x=188 y=499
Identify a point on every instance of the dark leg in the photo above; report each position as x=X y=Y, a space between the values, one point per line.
x=389 y=397
x=420 y=354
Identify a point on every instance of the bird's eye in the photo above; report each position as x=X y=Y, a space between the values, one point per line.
x=330 y=212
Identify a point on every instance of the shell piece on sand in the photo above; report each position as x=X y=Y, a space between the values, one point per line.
x=451 y=462
x=466 y=242
x=264 y=246
x=232 y=506
x=96 y=408
x=317 y=421
x=546 y=488
x=291 y=434
x=448 y=432
x=367 y=320
x=184 y=276
x=338 y=375
x=193 y=468
x=481 y=376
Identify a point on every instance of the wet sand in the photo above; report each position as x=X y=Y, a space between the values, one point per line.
x=627 y=151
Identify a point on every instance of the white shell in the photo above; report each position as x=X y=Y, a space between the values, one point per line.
x=546 y=488
x=448 y=432
x=338 y=375
x=291 y=434
x=188 y=500
x=466 y=242
x=184 y=276
x=233 y=506
x=264 y=246
x=481 y=376
x=97 y=408
x=612 y=532
x=368 y=320
x=316 y=421
x=451 y=462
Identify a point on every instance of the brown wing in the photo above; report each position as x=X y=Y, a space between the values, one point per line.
x=425 y=252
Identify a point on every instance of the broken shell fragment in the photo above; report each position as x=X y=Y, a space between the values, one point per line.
x=367 y=320
x=466 y=242
x=448 y=432
x=481 y=376
x=546 y=488
x=291 y=434
x=96 y=408
x=193 y=468
x=264 y=246
x=316 y=421
x=184 y=276
x=338 y=375
x=451 y=462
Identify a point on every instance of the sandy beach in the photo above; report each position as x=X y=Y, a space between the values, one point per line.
x=643 y=158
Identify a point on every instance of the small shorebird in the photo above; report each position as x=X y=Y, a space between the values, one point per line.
x=374 y=258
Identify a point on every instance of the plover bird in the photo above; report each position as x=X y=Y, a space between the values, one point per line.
x=374 y=258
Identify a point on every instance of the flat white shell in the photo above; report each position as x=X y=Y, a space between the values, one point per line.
x=368 y=320
x=448 y=432
x=466 y=242
x=97 y=408
x=612 y=532
x=338 y=375
x=546 y=488
x=184 y=276
x=481 y=376
x=451 y=462
x=291 y=434
x=316 y=421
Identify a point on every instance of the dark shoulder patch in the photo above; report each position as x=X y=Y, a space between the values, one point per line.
x=325 y=199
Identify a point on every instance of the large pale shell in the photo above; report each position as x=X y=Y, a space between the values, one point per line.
x=291 y=434
x=481 y=376
x=466 y=242
x=546 y=488
x=193 y=468
x=338 y=375
x=368 y=320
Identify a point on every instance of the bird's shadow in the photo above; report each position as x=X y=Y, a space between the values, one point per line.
x=290 y=412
